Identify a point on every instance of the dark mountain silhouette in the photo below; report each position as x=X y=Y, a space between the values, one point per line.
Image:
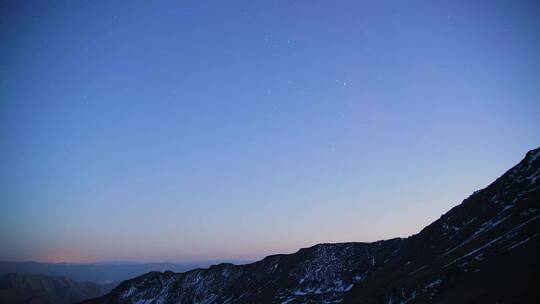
x=41 y=289
x=484 y=250
x=102 y=273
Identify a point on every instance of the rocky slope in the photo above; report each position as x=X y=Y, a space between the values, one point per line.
x=41 y=289
x=483 y=250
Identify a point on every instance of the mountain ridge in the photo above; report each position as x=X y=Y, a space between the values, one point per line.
x=494 y=226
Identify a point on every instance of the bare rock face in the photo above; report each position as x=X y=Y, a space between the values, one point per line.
x=484 y=250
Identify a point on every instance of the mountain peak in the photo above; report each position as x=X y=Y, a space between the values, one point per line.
x=533 y=154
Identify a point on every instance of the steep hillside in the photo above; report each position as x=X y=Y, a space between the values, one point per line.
x=484 y=250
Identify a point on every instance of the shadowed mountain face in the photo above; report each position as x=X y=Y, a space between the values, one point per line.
x=40 y=289
x=484 y=250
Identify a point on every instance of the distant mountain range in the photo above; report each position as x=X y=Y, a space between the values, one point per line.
x=102 y=273
x=485 y=250
x=41 y=289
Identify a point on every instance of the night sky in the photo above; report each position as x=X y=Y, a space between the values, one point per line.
x=194 y=130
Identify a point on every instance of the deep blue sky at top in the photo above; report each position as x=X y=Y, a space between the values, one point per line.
x=190 y=130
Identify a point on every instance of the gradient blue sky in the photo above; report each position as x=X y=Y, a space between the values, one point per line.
x=193 y=130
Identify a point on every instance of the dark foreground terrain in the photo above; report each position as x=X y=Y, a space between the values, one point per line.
x=42 y=289
x=485 y=250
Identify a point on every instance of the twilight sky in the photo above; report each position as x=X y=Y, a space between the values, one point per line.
x=194 y=130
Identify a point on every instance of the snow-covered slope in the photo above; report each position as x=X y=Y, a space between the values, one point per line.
x=322 y=273
x=484 y=249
